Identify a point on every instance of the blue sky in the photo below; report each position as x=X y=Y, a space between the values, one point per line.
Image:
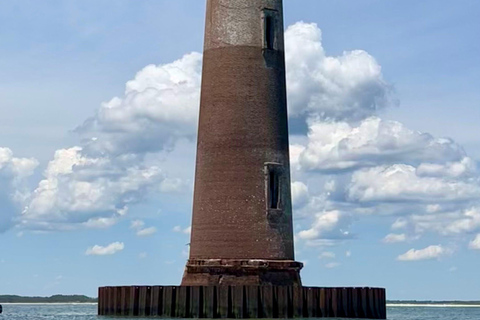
x=384 y=107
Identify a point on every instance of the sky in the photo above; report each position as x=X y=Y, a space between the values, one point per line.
x=98 y=116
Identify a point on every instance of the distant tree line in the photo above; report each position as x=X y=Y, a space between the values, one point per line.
x=53 y=299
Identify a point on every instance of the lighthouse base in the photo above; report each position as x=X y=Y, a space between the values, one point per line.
x=229 y=272
x=241 y=302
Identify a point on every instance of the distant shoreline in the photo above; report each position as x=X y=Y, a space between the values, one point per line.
x=5 y=299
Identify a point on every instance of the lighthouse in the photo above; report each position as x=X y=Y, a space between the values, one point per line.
x=242 y=211
x=241 y=263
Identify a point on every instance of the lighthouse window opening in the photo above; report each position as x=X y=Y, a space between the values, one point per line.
x=269 y=32
x=274 y=189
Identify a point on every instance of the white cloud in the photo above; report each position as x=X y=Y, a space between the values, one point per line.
x=13 y=187
x=103 y=251
x=179 y=229
x=328 y=225
x=337 y=146
x=299 y=194
x=15 y=168
x=475 y=243
x=395 y=238
x=400 y=182
x=327 y=255
x=142 y=255
x=295 y=153
x=118 y=161
x=160 y=105
x=146 y=232
x=462 y=221
x=429 y=253
x=137 y=224
x=141 y=231
x=400 y=223
x=101 y=223
x=320 y=86
x=78 y=189
x=468 y=221
x=348 y=254
x=465 y=167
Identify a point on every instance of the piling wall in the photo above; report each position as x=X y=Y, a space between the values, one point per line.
x=241 y=302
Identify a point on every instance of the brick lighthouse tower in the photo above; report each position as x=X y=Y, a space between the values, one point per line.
x=242 y=213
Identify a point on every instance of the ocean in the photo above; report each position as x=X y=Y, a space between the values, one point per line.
x=89 y=312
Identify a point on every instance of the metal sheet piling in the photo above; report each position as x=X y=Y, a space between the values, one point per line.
x=242 y=302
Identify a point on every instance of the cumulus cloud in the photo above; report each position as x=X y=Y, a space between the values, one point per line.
x=400 y=223
x=137 y=224
x=465 y=221
x=146 y=232
x=339 y=146
x=78 y=189
x=394 y=238
x=110 y=249
x=13 y=188
x=350 y=86
x=400 y=182
x=475 y=243
x=101 y=223
x=141 y=230
x=376 y=166
x=160 y=105
x=179 y=229
x=14 y=167
x=328 y=225
x=327 y=255
x=119 y=158
x=300 y=194
x=446 y=223
x=466 y=167
x=428 y=253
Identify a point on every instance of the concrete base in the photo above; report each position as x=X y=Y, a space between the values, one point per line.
x=229 y=272
x=240 y=302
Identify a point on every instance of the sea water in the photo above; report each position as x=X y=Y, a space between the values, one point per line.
x=89 y=312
